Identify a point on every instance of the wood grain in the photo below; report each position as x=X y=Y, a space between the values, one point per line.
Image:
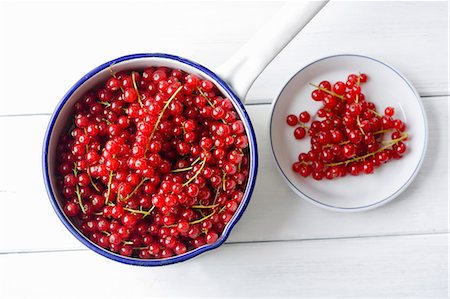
x=402 y=34
x=55 y=51
x=274 y=213
x=384 y=267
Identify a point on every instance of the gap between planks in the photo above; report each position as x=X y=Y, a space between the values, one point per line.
x=254 y=102
x=441 y=233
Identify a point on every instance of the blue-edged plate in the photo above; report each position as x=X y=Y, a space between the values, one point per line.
x=386 y=87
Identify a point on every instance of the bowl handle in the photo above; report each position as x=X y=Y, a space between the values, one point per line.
x=242 y=69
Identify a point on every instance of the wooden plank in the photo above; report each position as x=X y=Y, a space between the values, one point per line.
x=274 y=213
x=411 y=36
x=384 y=267
x=61 y=41
x=55 y=45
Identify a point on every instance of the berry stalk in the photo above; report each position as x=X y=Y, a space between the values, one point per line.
x=328 y=91
x=196 y=174
x=135 y=189
x=164 y=110
x=359 y=158
x=109 y=187
x=77 y=190
x=145 y=213
x=133 y=78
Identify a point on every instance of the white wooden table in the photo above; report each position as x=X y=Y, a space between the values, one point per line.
x=283 y=246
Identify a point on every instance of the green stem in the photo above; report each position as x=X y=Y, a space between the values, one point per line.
x=206 y=98
x=77 y=190
x=109 y=187
x=137 y=90
x=239 y=165
x=92 y=181
x=205 y=207
x=196 y=174
x=140 y=248
x=111 y=71
x=202 y=219
x=182 y=169
x=146 y=213
x=304 y=126
x=195 y=161
x=340 y=143
x=355 y=159
x=196 y=221
x=358 y=122
x=357 y=117
x=328 y=91
x=379 y=132
x=163 y=110
x=375 y=112
x=135 y=189
x=80 y=203
x=216 y=195
x=224 y=180
x=187 y=168
x=113 y=74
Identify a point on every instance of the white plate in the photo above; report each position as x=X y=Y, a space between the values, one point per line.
x=385 y=87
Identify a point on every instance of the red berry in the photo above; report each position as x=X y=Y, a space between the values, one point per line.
x=400 y=148
x=389 y=111
x=318 y=175
x=339 y=88
x=325 y=85
x=292 y=120
x=353 y=78
x=211 y=237
x=348 y=150
x=130 y=95
x=399 y=125
x=304 y=117
x=317 y=95
x=329 y=102
x=363 y=78
x=299 y=133
x=71 y=209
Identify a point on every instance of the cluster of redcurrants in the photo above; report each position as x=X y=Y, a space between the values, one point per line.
x=349 y=135
x=155 y=163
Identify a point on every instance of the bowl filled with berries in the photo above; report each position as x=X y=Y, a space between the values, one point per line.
x=150 y=159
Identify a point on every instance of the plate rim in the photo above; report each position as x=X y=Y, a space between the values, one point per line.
x=375 y=204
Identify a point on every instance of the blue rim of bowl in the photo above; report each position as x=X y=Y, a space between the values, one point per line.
x=190 y=254
x=378 y=203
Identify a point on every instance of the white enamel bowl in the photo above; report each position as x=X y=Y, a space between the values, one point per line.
x=59 y=122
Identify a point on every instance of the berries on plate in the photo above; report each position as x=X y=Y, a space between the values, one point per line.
x=347 y=133
x=154 y=163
